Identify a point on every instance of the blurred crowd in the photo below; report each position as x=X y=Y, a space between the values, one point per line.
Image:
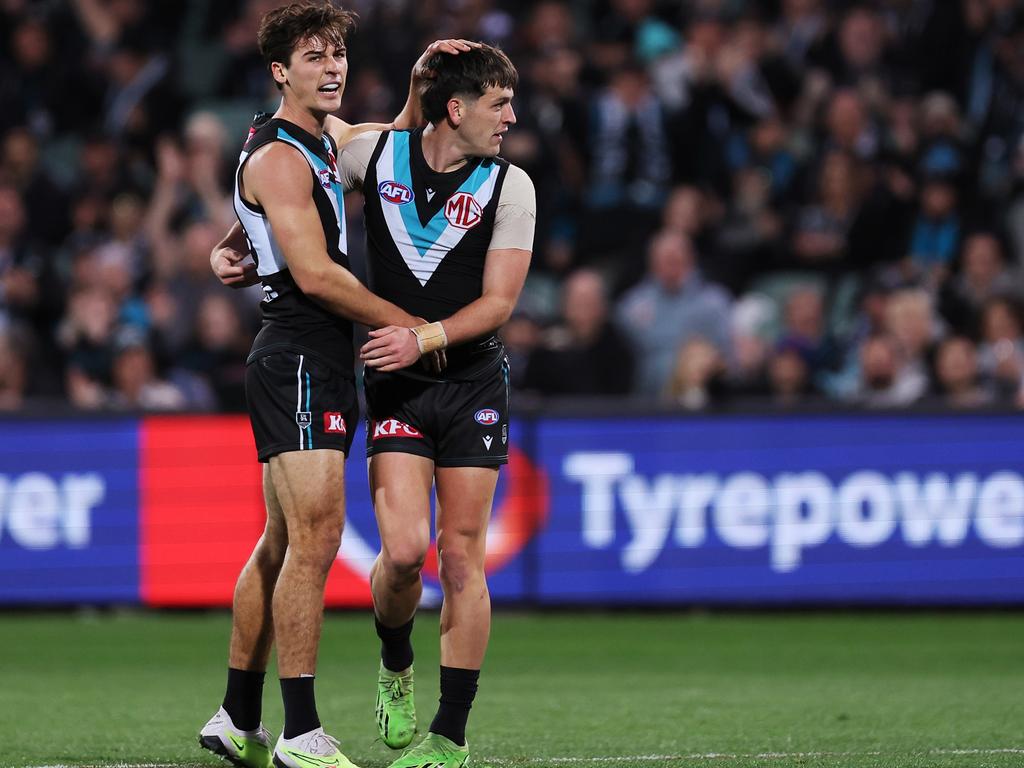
x=781 y=203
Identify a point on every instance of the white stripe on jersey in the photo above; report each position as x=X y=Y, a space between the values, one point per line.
x=269 y=257
x=424 y=266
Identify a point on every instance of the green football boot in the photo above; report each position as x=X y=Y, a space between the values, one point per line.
x=434 y=751
x=396 y=709
x=246 y=749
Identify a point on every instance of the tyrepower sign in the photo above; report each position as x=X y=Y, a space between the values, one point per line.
x=865 y=508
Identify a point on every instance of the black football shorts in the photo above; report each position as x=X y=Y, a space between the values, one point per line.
x=297 y=403
x=454 y=423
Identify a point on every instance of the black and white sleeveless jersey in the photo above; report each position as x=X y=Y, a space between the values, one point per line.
x=291 y=320
x=428 y=234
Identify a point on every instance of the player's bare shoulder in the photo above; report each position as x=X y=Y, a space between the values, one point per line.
x=276 y=167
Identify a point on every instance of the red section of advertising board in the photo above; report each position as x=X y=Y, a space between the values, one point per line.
x=202 y=513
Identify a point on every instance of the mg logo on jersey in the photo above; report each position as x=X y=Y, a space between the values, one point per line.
x=463 y=211
x=486 y=416
x=395 y=192
x=334 y=423
x=394 y=428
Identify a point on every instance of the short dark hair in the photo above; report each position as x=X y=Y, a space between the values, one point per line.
x=284 y=29
x=469 y=74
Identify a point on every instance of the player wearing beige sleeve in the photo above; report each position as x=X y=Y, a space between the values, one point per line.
x=449 y=238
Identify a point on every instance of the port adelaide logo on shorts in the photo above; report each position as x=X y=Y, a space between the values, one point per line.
x=303 y=418
x=394 y=192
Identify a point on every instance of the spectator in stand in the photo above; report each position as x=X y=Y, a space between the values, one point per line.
x=957 y=376
x=849 y=126
x=982 y=275
x=35 y=77
x=911 y=322
x=13 y=370
x=749 y=237
x=629 y=169
x=29 y=291
x=671 y=305
x=585 y=354
x=883 y=383
x=46 y=205
x=135 y=384
x=86 y=337
x=822 y=230
x=698 y=377
x=217 y=351
x=1001 y=353
x=936 y=234
x=804 y=328
x=790 y=381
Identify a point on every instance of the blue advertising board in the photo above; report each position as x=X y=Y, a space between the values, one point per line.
x=843 y=509
x=69 y=512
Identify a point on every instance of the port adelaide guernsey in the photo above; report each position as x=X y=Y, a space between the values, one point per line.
x=291 y=320
x=428 y=233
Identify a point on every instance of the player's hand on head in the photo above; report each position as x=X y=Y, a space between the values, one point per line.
x=390 y=349
x=454 y=46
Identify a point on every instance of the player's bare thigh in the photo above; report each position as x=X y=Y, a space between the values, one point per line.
x=465 y=496
x=400 y=485
x=310 y=486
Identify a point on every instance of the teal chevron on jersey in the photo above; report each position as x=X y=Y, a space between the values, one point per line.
x=424 y=246
x=424 y=237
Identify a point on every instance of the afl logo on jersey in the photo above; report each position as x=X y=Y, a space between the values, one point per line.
x=326 y=177
x=394 y=192
x=486 y=416
x=463 y=211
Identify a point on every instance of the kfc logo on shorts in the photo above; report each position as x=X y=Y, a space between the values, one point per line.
x=334 y=423
x=463 y=211
x=486 y=416
x=326 y=177
x=395 y=192
x=303 y=418
x=394 y=428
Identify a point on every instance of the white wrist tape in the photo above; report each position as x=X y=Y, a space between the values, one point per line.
x=430 y=337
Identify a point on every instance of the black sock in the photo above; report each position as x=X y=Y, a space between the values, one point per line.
x=299 y=706
x=458 y=688
x=243 y=700
x=395 y=645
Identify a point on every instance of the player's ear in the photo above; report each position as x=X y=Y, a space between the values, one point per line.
x=279 y=72
x=455 y=111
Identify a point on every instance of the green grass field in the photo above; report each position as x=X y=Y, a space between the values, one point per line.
x=560 y=690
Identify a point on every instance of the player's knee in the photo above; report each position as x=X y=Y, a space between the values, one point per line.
x=457 y=567
x=405 y=560
x=272 y=546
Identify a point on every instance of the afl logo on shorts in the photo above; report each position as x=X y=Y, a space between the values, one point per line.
x=486 y=416
x=463 y=211
x=394 y=192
